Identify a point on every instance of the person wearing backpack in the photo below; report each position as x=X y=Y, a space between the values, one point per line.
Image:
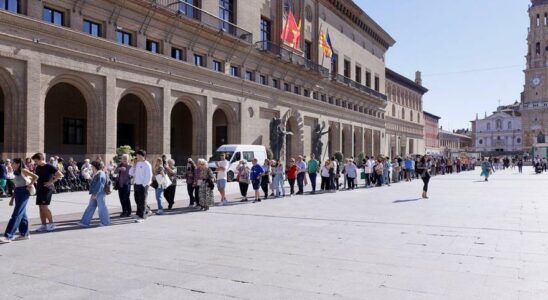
x=97 y=190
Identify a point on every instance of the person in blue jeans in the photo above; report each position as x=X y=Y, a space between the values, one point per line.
x=97 y=201
x=159 y=170
x=21 y=194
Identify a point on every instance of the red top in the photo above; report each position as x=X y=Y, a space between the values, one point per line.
x=291 y=172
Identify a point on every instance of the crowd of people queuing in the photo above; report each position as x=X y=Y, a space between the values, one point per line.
x=35 y=176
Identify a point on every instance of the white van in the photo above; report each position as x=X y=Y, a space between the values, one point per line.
x=235 y=153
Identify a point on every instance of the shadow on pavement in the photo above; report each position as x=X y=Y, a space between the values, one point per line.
x=408 y=200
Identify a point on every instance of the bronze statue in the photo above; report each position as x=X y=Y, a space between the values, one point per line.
x=317 y=144
x=277 y=136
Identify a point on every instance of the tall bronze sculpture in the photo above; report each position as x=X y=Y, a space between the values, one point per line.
x=317 y=144
x=277 y=136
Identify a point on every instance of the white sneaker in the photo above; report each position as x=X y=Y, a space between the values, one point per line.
x=82 y=224
x=139 y=220
x=4 y=240
x=160 y=212
x=42 y=228
x=22 y=238
x=50 y=227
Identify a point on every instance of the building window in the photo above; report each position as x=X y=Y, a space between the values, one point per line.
x=418 y=117
x=368 y=79
x=509 y=125
x=153 y=46
x=265 y=30
x=308 y=50
x=11 y=5
x=393 y=110
x=177 y=53
x=92 y=28
x=315 y=95
x=199 y=60
x=297 y=90
x=74 y=131
x=323 y=97
x=403 y=113
x=186 y=8
x=499 y=124
x=124 y=38
x=346 y=68
x=53 y=16
x=480 y=141
x=249 y=76
x=358 y=74
x=411 y=116
x=263 y=80
x=234 y=71
x=306 y=93
x=538 y=20
x=537 y=48
x=218 y=66
x=276 y=83
x=518 y=140
x=226 y=14
x=488 y=126
x=287 y=87
x=331 y=100
x=377 y=83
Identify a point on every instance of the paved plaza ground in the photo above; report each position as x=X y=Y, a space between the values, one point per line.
x=470 y=240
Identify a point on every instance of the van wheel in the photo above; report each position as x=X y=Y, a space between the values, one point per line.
x=230 y=176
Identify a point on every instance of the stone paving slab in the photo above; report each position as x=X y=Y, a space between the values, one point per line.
x=470 y=240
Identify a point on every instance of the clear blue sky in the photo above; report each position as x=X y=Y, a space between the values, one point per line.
x=444 y=38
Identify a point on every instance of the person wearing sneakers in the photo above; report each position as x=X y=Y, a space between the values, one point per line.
x=222 y=168
x=48 y=175
x=97 y=200
x=256 y=174
x=21 y=194
x=142 y=177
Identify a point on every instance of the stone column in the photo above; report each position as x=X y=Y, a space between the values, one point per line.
x=34 y=110
x=208 y=126
x=165 y=110
x=110 y=113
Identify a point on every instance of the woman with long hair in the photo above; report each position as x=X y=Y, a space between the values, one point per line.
x=423 y=168
x=159 y=170
x=279 y=173
x=21 y=195
x=97 y=192
x=169 y=192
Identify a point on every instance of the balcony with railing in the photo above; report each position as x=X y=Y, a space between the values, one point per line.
x=365 y=89
x=201 y=17
x=292 y=57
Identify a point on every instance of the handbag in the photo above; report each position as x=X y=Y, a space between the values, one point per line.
x=108 y=186
x=32 y=188
x=166 y=182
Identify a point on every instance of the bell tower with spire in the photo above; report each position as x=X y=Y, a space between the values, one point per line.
x=534 y=106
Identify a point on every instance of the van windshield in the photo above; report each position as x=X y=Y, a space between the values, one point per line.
x=217 y=155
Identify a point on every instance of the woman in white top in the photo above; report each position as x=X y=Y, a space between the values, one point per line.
x=325 y=176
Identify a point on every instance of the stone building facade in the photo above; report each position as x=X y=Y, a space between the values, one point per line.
x=453 y=143
x=79 y=78
x=534 y=107
x=431 y=134
x=404 y=116
x=501 y=132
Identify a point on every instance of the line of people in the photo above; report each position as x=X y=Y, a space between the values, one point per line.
x=270 y=177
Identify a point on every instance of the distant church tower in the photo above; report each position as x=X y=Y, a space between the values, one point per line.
x=534 y=98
